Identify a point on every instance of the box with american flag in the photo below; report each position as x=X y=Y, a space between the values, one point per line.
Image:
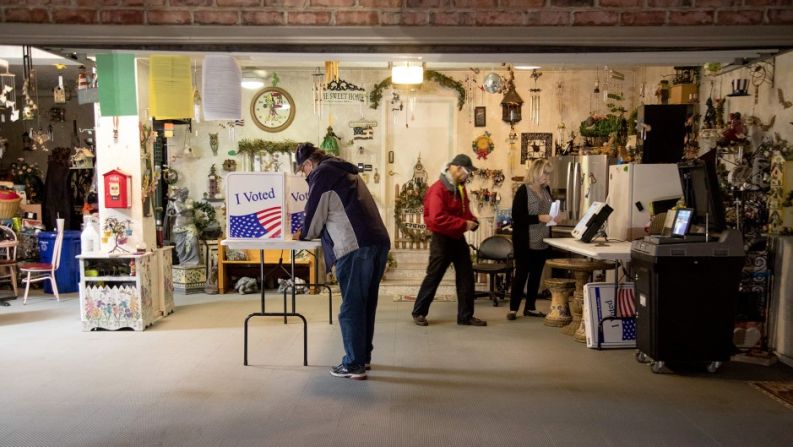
x=256 y=205
x=600 y=303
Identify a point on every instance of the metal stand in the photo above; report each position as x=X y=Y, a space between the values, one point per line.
x=285 y=312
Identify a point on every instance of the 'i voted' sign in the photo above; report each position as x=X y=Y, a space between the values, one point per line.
x=296 y=198
x=256 y=205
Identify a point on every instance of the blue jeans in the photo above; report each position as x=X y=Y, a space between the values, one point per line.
x=359 y=275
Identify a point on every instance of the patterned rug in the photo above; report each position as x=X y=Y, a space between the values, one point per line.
x=781 y=392
x=438 y=298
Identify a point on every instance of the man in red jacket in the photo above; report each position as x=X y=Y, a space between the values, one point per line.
x=447 y=214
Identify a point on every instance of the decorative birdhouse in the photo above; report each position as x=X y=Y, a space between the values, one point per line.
x=512 y=103
x=118 y=187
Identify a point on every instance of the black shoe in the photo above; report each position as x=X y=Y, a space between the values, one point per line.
x=473 y=321
x=368 y=366
x=511 y=315
x=533 y=313
x=358 y=373
x=420 y=320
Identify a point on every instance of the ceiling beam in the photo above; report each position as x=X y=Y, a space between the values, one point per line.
x=451 y=40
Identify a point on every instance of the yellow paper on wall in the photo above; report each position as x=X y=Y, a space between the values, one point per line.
x=170 y=87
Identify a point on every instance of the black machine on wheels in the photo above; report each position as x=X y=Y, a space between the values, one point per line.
x=686 y=292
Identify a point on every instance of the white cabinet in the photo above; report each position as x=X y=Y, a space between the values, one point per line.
x=126 y=291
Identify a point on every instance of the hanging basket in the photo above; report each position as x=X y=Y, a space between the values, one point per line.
x=9 y=207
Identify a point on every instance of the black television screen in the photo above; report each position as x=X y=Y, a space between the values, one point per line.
x=701 y=192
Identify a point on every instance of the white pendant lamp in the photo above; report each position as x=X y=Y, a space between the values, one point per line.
x=407 y=72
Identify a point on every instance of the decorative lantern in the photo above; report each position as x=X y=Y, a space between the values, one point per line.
x=512 y=103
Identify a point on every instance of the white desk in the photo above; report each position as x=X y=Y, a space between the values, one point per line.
x=611 y=251
x=262 y=245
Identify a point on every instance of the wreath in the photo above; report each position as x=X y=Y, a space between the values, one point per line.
x=483 y=146
x=204 y=215
x=411 y=197
x=376 y=95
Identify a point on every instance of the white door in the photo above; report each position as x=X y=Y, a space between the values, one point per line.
x=430 y=133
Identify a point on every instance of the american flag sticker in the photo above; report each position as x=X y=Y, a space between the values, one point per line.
x=255 y=205
x=264 y=223
x=297 y=221
x=600 y=303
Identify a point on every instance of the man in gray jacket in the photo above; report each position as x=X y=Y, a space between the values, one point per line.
x=340 y=210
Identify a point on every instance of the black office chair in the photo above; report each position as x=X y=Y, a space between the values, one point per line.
x=494 y=257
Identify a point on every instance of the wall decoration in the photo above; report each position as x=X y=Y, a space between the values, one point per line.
x=330 y=143
x=535 y=145
x=376 y=95
x=339 y=91
x=229 y=165
x=483 y=146
x=363 y=129
x=214 y=144
x=410 y=200
x=480 y=116
x=272 y=109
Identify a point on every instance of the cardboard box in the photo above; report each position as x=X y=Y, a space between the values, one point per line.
x=682 y=93
x=599 y=303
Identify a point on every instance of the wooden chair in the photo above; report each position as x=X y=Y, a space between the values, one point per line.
x=8 y=256
x=44 y=271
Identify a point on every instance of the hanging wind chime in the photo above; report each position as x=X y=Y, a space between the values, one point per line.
x=535 y=98
x=8 y=96
x=318 y=90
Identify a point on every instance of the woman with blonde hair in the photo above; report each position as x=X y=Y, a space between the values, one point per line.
x=530 y=208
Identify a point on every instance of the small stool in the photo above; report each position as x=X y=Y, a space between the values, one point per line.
x=559 y=314
x=582 y=269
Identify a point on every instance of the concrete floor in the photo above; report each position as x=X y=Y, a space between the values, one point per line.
x=182 y=383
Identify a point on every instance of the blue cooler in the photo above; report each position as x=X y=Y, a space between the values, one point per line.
x=68 y=274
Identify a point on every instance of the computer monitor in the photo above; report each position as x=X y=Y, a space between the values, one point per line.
x=682 y=221
x=701 y=191
x=594 y=218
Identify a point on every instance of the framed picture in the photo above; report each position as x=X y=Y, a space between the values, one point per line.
x=535 y=145
x=480 y=117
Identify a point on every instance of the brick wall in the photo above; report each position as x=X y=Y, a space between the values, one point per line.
x=401 y=12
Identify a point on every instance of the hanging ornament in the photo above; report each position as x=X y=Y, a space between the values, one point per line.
x=331 y=71
x=318 y=90
x=330 y=144
x=214 y=143
x=512 y=103
x=483 y=146
x=535 y=98
x=58 y=93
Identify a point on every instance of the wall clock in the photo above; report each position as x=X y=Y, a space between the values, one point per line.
x=272 y=109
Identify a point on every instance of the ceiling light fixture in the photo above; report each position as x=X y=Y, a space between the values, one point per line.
x=407 y=72
x=527 y=67
x=252 y=83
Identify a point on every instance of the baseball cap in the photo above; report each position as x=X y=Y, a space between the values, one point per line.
x=463 y=161
x=303 y=152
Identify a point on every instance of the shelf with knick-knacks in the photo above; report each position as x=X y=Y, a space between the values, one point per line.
x=119 y=291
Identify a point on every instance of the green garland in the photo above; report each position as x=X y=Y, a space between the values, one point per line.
x=411 y=198
x=258 y=146
x=376 y=95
